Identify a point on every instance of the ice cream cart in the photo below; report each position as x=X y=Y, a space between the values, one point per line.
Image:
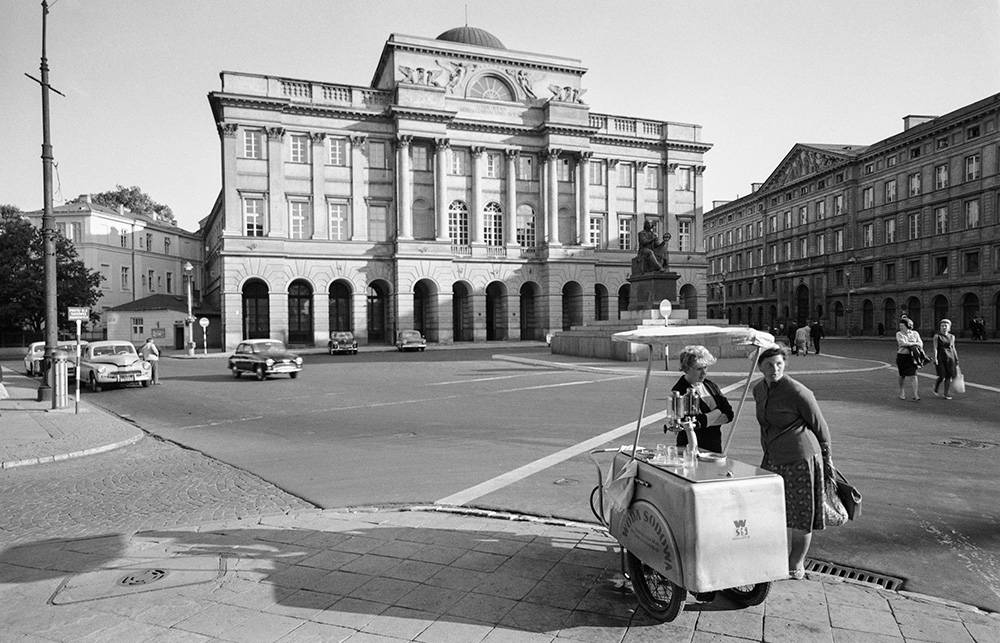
x=698 y=521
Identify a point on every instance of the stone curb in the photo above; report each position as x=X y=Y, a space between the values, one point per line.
x=11 y=464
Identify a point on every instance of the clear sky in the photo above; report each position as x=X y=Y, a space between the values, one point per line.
x=759 y=76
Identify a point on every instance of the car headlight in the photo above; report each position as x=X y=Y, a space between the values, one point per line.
x=145 y=366
x=102 y=370
x=269 y=362
x=298 y=360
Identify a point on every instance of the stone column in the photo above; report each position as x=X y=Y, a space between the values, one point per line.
x=320 y=218
x=233 y=216
x=699 y=211
x=321 y=317
x=277 y=224
x=476 y=220
x=640 y=190
x=278 y=309
x=552 y=195
x=359 y=188
x=404 y=184
x=511 y=220
x=670 y=172
x=583 y=198
x=612 y=202
x=441 y=187
x=359 y=316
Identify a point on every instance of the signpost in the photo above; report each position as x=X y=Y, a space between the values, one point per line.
x=203 y=322
x=78 y=314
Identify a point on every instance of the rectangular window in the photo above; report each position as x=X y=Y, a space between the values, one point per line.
x=868 y=197
x=889 y=228
x=684 y=236
x=298 y=148
x=166 y=245
x=772 y=223
x=940 y=266
x=941 y=177
x=820 y=210
x=525 y=227
x=803 y=248
x=972 y=263
x=149 y=242
x=914 y=183
x=867 y=235
x=149 y=281
x=525 y=167
x=564 y=171
x=596 y=172
x=838 y=240
x=420 y=158
x=913 y=225
x=913 y=270
x=170 y=282
x=338 y=221
x=493 y=165
x=625 y=233
x=338 y=151
x=625 y=175
x=774 y=254
x=459 y=162
x=376 y=155
x=124 y=239
x=821 y=244
x=838 y=277
x=378 y=223
x=125 y=283
x=972 y=132
x=299 y=219
x=253 y=216
x=493 y=225
x=684 y=176
x=914 y=152
x=788 y=250
x=890 y=191
x=105 y=276
x=137 y=326
x=803 y=215
x=760 y=229
x=788 y=219
x=838 y=204
x=942 y=143
x=972 y=167
x=867 y=274
x=889 y=272
x=941 y=220
x=595 y=231
x=252 y=148
x=869 y=168
x=891 y=161
x=652 y=177
x=972 y=214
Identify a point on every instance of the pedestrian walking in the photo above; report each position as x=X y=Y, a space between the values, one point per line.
x=907 y=342
x=796 y=443
x=790 y=330
x=151 y=354
x=945 y=358
x=802 y=340
x=817 y=333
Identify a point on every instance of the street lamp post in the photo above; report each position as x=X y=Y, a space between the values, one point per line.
x=189 y=321
x=850 y=311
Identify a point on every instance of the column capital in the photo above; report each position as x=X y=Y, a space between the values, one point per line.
x=641 y=165
x=442 y=143
x=613 y=163
x=228 y=130
x=276 y=133
x=476 y=151
x=511 y=153
x=552 y=153
x=317 y=137
x=670 y=168
x=585 y=156
x=699 y=170
x=404 y=140
x=358 y=139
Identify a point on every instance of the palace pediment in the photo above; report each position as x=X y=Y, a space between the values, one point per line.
x=807 y=160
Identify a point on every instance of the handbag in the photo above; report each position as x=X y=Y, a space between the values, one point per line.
x=958 y=382
x=848 y=495
x=834 y=513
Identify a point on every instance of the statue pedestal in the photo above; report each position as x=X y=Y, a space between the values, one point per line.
x=647 y=290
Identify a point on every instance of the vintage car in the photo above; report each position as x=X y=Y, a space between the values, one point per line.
x=33 y=359
x=410 y=340
x=113 y=362
x=264 y=357
x=342 y=341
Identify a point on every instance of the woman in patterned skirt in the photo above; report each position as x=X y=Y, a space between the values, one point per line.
x=796 y=443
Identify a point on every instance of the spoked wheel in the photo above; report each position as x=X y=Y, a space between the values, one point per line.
x=660 y=597
x=748 y=595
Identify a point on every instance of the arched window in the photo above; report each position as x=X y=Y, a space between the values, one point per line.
x=493 y=224
x=490 y=88
x=458 y=223
x=525 y=226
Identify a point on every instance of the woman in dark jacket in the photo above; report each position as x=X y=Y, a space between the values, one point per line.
x=715 y=408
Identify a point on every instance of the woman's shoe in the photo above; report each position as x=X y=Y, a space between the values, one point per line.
x=948 y=397
x=797 y=574
x=916 y=399
x=902 y=396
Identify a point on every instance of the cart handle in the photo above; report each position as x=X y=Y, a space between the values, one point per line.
x=743 y=399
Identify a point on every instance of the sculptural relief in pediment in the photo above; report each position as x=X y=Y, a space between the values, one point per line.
x=805 y=163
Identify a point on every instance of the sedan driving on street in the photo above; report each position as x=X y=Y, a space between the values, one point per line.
x=342 y=342
x=410 y=340
x=264 y=357
x=113 y=362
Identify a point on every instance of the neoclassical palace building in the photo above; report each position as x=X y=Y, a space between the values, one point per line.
x=856 y=235
x=469 y=192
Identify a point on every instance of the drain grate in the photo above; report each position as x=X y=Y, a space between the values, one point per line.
x=963 y=443
x=854 y=574
x=145 y=577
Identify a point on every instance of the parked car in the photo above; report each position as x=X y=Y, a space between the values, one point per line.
x=33 y=359
x=410 y=340
x=113 y=362
x=264 y=357
x=342 y=341
x=70 y=347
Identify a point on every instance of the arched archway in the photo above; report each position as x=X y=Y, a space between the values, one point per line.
x=377 y=295
x=867 y=316
x=300 y=313
x=940 y=307
x=838 y=319
x=687 y=299
x=461 y=312
x=425 y=309
x=970 y=309
x=624 y=293
x=572 y=305
x=912 y=311
x=890 y=315
x=256 y=310
x=600 y=302
x=496 y=311
x=341 y=308
x=801 y=304
x=530 y=324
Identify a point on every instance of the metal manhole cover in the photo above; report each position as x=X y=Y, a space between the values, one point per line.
x=145 y=577
x=963 y=443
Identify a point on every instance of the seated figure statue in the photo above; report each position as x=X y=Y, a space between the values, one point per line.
x=646 y=259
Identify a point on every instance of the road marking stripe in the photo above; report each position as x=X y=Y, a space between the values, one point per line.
x=490 y=379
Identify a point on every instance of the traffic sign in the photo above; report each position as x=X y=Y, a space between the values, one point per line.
x=78 y=313
x=203 y=322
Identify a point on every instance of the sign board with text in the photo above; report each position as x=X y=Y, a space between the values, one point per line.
x=78 y=313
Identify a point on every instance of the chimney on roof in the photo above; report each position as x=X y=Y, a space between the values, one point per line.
x=121 y=209
x=913 y=120
x=718 y=204
x=754 y=187
x=85 y=198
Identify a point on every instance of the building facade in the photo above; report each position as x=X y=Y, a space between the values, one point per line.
x=137 y=256
x=857 y=235
x=468 y=192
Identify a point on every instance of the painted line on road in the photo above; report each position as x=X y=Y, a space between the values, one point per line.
x=221 y=422
x=968 y=384
x=490 y=379
x=516 y=475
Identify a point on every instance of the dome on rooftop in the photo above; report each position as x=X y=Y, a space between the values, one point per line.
x=472 y=36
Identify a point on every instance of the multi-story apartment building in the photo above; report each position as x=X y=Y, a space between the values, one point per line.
x=136 y=255
x=857 y=235
x=468 y=192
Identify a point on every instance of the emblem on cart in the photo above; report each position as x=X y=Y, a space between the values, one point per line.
x=742 y=531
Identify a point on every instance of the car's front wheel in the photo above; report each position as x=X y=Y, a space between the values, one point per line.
x=95 y=386
x=293 y=375
x=260 y=374
x=236 y=372
x=145 y=383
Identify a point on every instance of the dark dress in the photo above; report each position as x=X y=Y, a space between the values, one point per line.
x=709 y=437
x=946 y=359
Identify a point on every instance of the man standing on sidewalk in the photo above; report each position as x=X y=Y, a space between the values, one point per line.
x=817 y=333
x=151 y=354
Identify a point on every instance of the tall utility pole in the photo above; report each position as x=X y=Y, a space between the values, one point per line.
x=48 y=224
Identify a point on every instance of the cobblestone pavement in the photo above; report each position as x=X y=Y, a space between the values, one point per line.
x=151 y=484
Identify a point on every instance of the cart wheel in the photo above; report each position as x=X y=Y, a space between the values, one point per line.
x=660 y=597
x=594 y=508
x=748 y=595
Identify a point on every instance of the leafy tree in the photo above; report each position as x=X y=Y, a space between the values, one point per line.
x=137 y=201
x=22 y=264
